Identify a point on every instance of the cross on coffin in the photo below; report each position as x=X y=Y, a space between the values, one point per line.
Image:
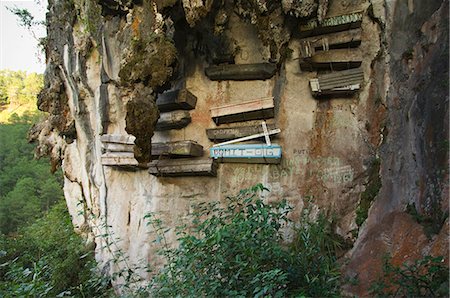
x=266 y=134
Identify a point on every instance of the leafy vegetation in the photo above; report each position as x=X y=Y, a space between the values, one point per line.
x=426 y=277
x=47 y=259
x=27 y=189
x=237 y=251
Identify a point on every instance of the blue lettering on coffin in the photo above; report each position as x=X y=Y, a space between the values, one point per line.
x=247 y=153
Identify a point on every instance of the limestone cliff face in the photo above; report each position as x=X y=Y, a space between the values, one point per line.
x=108 y=61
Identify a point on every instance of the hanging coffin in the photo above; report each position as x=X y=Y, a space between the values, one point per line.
x=177 y=149
x=340 y=40
x=176 y=100
x=121 y=159
x=331 y=24
x=183 y=167
x=339 y=59
x=225 y=134
x=248 y=153
x=344 y=82
x=244 y=111
x=173 y=120
x=241 y=72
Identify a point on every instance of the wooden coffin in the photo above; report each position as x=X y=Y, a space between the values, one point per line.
x=176 y=100
x=119 y=159
x=183 y=167
x=241 y=72
x=117 y=143
x=177 y=149
x=117 y=138
x=244 y=111
x=225 y=134
x=173 y=120
x=331 y=24
x=339 y=59
x=344 y=82
x=341 y=40
x=248 y=153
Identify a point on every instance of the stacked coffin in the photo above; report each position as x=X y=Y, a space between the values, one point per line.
x=258 y=109
x=332 y=44
x=118 y=151
x=179 y=158
x=174 y=107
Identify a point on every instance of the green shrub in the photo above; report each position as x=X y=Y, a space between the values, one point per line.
x=426 y=277
x=237 y=250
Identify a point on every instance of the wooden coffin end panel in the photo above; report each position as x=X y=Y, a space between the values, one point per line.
x=173 y=120
x=241 y=72
x=248 y=153
x=177 y=149
x=225 y=134
x=183 y=167
x=181 y=99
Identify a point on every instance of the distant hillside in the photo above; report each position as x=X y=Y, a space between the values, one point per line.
x=18 y=93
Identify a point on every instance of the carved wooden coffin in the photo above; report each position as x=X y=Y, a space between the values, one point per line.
x=176 y=100
x=244 y=111
x=339 y=59
x=224 y=134
x=241 y=72
x=331 y=24
x=337 y=83
x=248 y=153
x=340 y=40
x=177 y=149
x=120 y=159
x=173 y=120
x=183 y=167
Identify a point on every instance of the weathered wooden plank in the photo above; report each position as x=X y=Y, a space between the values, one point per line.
x=331 y=24
x=248 y=153
x=340 y=40
x=244 y=111
x=183 y=167
x=116 y=147
x=117 y=138
x=225 y=134
x=177 y=149
x=119 y=159
x=337 y=83
x=339 y=59
x=241 y=72
x=180 y=99
x=173 y=120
